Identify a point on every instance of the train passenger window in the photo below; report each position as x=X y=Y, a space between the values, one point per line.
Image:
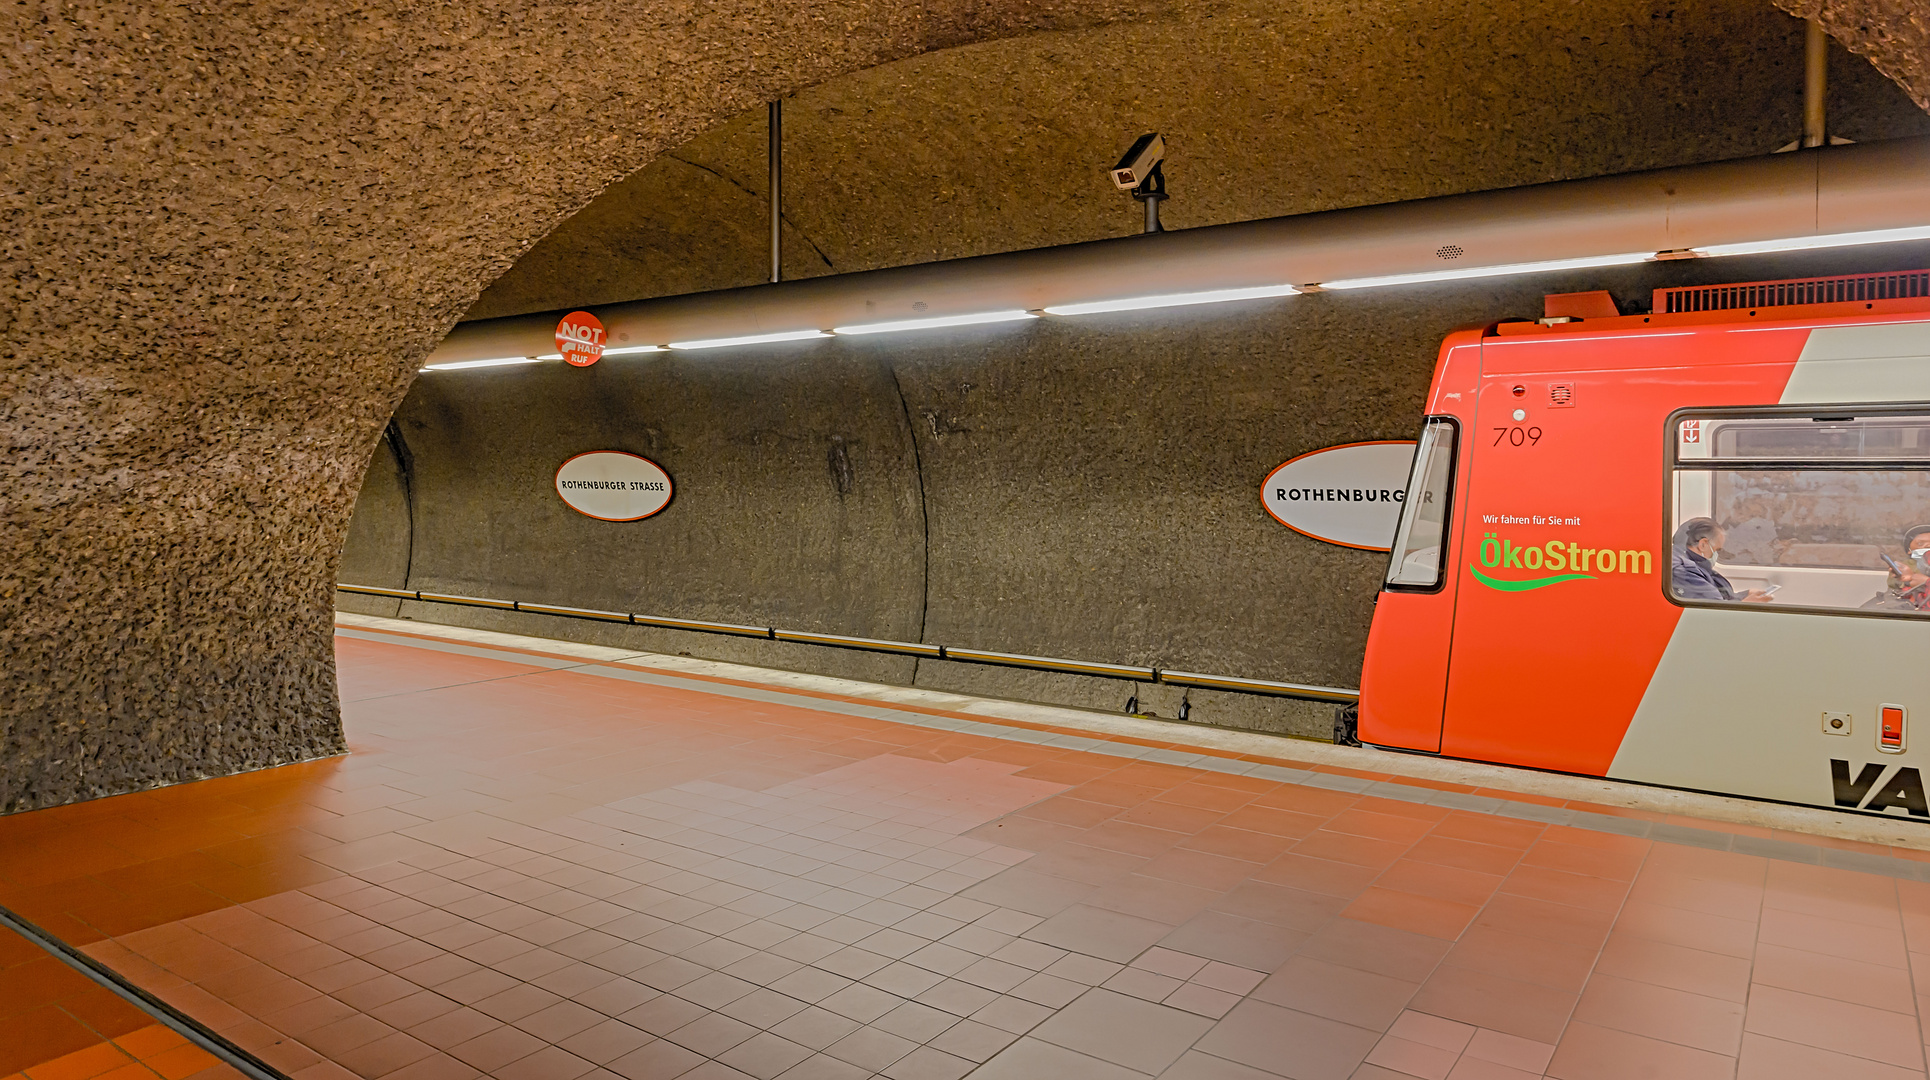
x=1828 y=512
x=1419 y=548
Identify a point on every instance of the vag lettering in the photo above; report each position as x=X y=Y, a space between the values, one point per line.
x=1570 y=561
x=1871 y=790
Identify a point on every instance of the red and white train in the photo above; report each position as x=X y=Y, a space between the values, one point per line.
x=1678 y=548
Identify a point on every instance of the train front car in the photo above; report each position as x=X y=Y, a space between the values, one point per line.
x=1679 y=549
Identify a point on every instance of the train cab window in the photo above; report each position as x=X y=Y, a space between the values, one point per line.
x=1419 y=550
x=1812 y=512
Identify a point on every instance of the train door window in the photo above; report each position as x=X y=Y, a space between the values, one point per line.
x=1420 y=541
x=1801 y=511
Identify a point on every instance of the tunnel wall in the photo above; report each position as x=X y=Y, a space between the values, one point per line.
x=1082 y=488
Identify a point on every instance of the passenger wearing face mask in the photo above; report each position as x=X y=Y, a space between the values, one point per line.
x=1911 y=579
x=1693 y=574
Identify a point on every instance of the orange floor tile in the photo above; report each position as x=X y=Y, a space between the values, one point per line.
x=524 y=871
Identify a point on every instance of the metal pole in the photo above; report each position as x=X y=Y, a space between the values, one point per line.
x=1815 y=84
x=777 y=190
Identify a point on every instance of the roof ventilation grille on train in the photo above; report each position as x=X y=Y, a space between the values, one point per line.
x=1823 y=290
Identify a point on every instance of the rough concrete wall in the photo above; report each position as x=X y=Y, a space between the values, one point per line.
x=231 y=232
x=1090 y=487
x=1269 y=108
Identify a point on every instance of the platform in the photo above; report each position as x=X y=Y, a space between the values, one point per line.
x=547 y=862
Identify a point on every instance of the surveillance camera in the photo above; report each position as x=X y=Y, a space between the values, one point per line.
x=1144 y=156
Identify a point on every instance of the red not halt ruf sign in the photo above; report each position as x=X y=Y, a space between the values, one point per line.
x=579 y=337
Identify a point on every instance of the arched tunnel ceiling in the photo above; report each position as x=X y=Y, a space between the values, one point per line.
x=1268 y=108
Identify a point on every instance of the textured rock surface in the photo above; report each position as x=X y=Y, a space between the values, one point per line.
x=1269 y=108
x=1893 y=34
x=228 y=234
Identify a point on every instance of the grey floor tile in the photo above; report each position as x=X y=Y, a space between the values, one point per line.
x=1030 y=1059
x=1234 y=939
x=904 y=979
x=1123 y=1030
x=655 y=1061
x=1087 y=970
x=1461 y=800
x=1346 y=994
x=918 y=1022
x=1109 y=935
x=861 y=1003
x=993 y=975
x=1379 y=949
x=715 y=990
x=1015 y=1015
x=957 y=998
x=926 y=1063
x=663 y=1014
x=973 y=1040
x=1048 y=990
x=823 y=1067
x=871 y=1048
x=814 y=1027
x=1194 y=1065
x=715 y=1070
x=711 y=1035
x=763 y=968
x=941 y=958
x=763 y=1008
x=1296 y=1044
x=852 y=963
x=810 y=984
x=1033 y=893
x=805 y=948
x=765 y=1056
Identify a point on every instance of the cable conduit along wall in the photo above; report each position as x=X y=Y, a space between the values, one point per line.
x=1125 y=672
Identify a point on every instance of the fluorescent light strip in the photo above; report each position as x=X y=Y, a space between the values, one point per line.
x=1806 y=243
x=629 y=350
x=753 y=339
x=930 y=324
x=1140 y=303
x=500 y=361
x=1466 y=272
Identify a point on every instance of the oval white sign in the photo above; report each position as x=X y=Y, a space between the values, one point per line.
x=1348 y=495
x=610 y=485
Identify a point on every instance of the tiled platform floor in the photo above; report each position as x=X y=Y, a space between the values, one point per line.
x=530 y=872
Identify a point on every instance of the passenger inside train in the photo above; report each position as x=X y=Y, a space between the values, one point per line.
x=1693 y=574
x=1803 y=509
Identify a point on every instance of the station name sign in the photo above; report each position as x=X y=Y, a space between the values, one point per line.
x=611 y=485
x=1348 y=495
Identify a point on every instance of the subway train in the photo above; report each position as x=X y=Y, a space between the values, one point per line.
x=1689 y=548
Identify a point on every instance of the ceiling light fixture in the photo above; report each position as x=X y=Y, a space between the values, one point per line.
x=751 y=339
x=974 y=319
x=1140 y=303
x=1806 y=243
x=500 y=361
x=628 y=350
x=1461 y=273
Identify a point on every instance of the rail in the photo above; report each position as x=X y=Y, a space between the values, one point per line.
x=1058 y=665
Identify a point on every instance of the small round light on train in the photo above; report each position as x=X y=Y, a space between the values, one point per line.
x=1521 y=414
x=1521 y=391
